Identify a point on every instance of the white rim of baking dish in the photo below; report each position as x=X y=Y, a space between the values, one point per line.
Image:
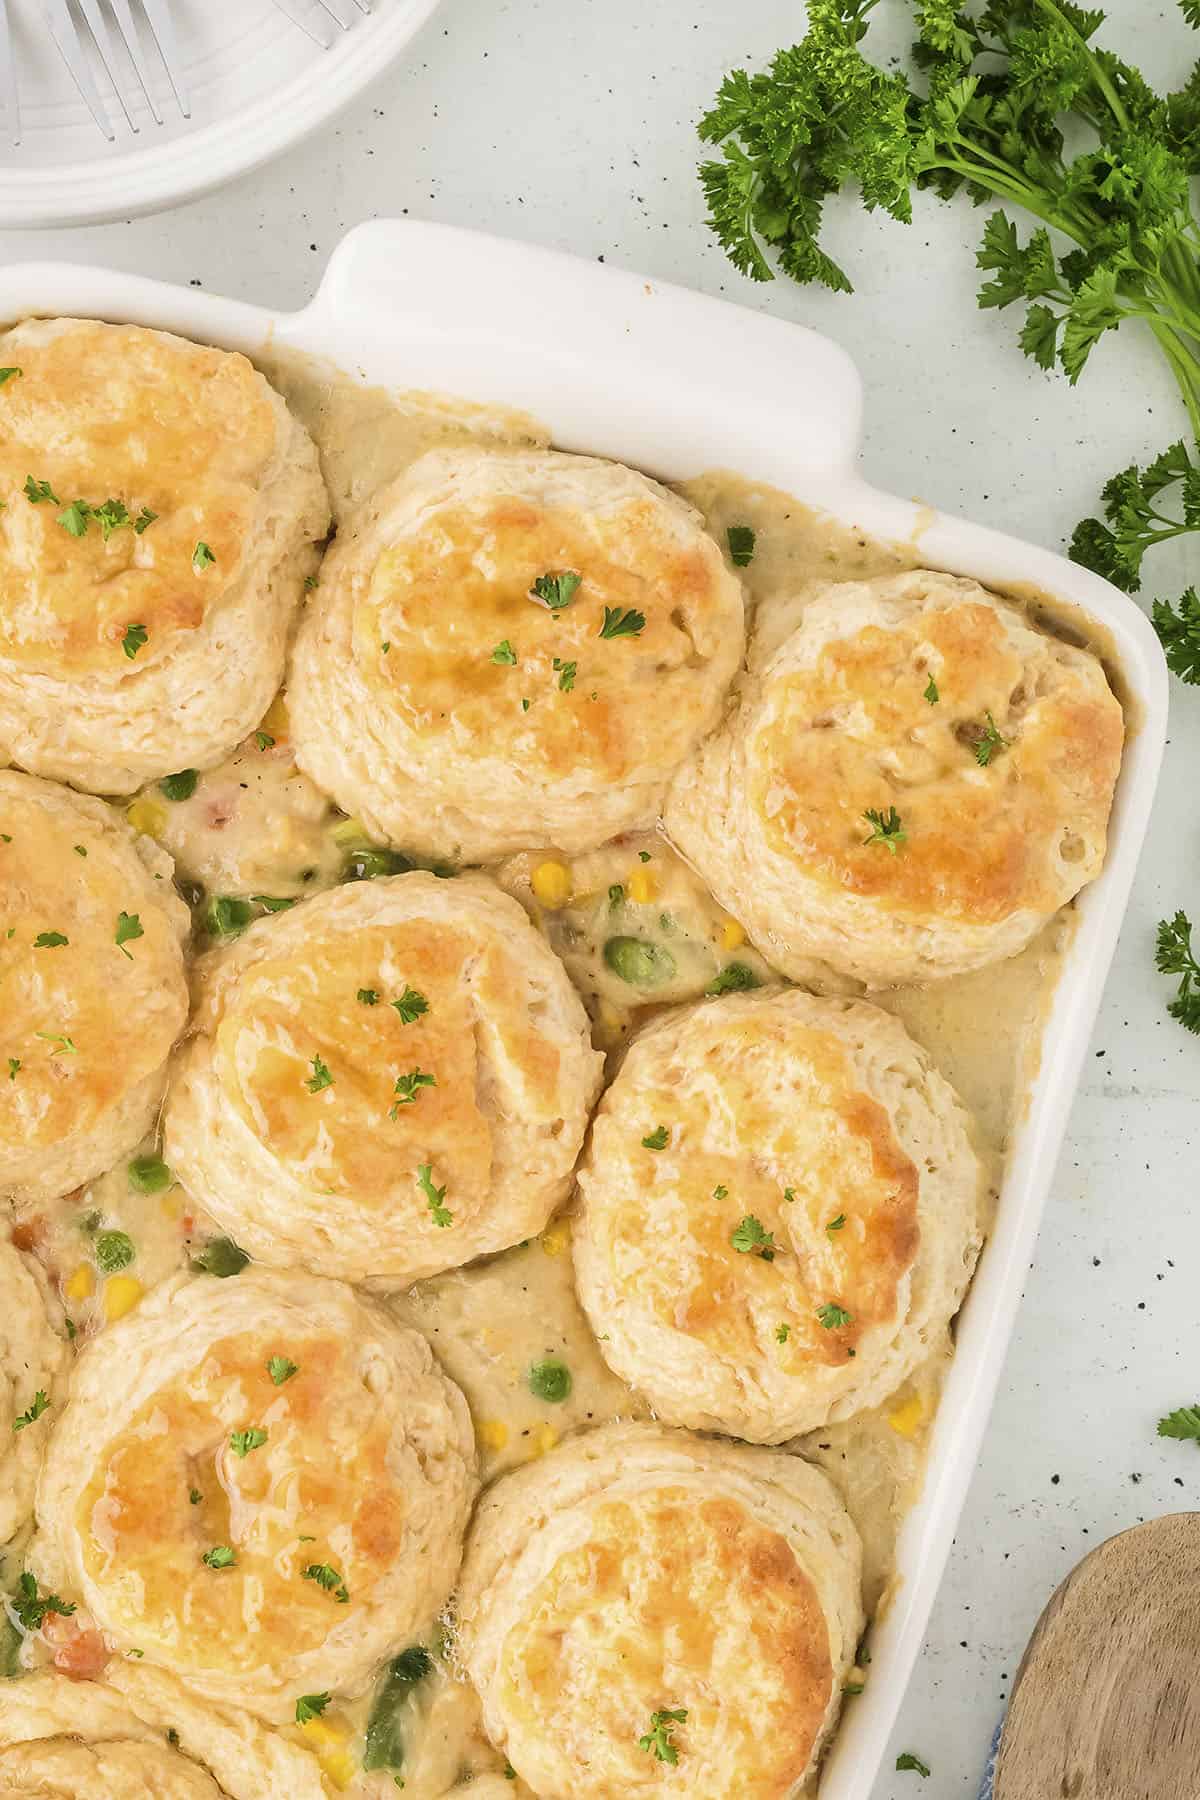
x=165 y=171
x=675 y=383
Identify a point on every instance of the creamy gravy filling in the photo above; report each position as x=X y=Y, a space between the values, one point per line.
x=636 y=929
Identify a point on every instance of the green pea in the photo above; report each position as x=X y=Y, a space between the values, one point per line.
x=550 y=1380
x=220 y=1257
x=227 y=917
x=114 y=1250
x=641 y=964
x=148 y=1175
x=366 y=864
x=181 y=786
x=734 y=978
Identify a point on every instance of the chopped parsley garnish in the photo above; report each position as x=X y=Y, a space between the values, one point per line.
x=311 y=584
x=407 y=1088
x=114 y=1250
x=622 y=624
x=221 y=1556
x=886 y=829
x=264 y=740
x=989 y=743
x=14 y=1066
x=41 y=1401
x=832 y=1316
x=836 y=1224
x=411 y=1005
x=66 y=1045
x=734 y=978
x=129 y=927
x=274 y=903
x=281 y=1369
x=931 y=692
x=566 y=674
x=242 y=1442
x=328 y=1578
x=740 y=539
x=49 y=940
x=181 y=786
x=320 y=1077
x=558 y=590
x=550 y=1380
x=1184 y=1422
x=505 y=654
x=135 y=636
x=7 y=375
x=906 y=1760
x=643 y=856
x=659 y=1739
x=202 y=557
x=657 y=1139
x=194 y=1496
x=220 y=1257
x=148 y=1175
x=789 y=1195
x=79 y=850
x=311 y=1706
x=368 y=996
x=144 y=519
x=750 y=1238
x=31 y=1607
x=434 y=1195
x=853 y=1687
x=720 y=1192
x=616 y=894
x=38 y=491
x=782 y=1333
x=74 y=518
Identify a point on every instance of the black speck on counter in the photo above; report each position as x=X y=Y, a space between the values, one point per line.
x=1054 y=1480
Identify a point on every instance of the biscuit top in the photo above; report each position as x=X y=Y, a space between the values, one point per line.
x=92 y=989
x=779 y=1202
x=381 y=1050
x=452 y=636
x=997 y=747
x=677 y=1600
x=116 y=413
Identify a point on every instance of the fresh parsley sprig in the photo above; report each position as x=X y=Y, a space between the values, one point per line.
x=1174 y=956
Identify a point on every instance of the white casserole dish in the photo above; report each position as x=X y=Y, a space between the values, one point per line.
x=675 y=383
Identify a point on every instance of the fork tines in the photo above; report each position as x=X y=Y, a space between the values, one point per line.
x=107 y=24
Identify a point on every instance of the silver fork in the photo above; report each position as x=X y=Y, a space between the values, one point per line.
x=311 y=16
x=68 y=35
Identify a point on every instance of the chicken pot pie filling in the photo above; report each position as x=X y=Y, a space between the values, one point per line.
x=279 y=1455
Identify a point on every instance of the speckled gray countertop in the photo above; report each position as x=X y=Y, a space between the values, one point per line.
x=570 y=122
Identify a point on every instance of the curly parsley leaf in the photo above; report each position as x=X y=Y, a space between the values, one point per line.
x=1178 y=629
x=1173 y=955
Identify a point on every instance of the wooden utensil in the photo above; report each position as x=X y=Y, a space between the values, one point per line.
x=1106 y=1703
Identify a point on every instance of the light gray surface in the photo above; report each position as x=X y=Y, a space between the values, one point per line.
x=570 y=122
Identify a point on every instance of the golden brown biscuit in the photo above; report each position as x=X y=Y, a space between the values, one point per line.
x=92 y=986
x=460 y=715
x=645 y=1611
x=159 y=506
x=148 y=1740
x=780 y=1213
x=912 y=783
x=261 y=1483
x=386 y=1081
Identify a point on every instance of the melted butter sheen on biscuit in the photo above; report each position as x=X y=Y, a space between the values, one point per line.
x=318 y=1491
x=97 y=411
x=981 y=842
x=691 y=1599
x=444 y=599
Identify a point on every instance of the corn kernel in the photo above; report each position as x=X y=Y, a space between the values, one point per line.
x=907 y=1418
x=493 y=1434
x=556 y=1237
x=121 y=1295
x=81 y=1283
x=543 y=1439
x=551 y=883
x=330 y=1738
x=732 y=935
x=147 y=816
x=642 y=886
x=275 y=719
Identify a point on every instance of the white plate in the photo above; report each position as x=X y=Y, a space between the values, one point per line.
x=256 y=83
x=675 y=383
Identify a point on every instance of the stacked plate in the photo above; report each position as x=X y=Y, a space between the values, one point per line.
x=257 y=75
